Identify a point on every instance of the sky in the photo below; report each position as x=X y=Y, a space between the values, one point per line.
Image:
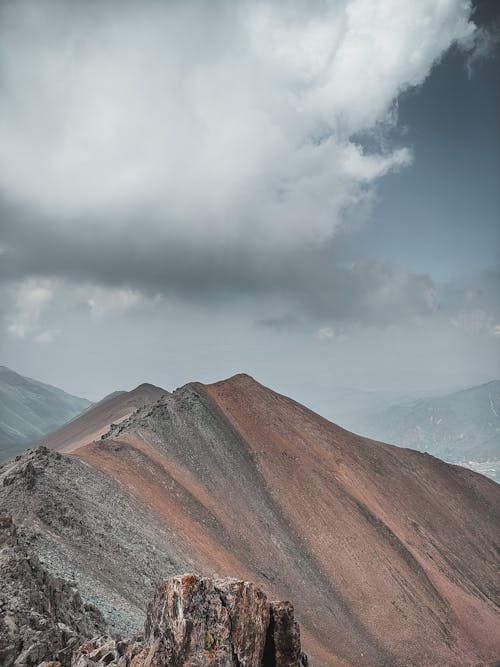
x=303 y=191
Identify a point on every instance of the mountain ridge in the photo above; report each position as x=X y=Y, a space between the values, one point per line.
x=97 y=419
x=386 y=552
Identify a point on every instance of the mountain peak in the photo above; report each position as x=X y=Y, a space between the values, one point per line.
x=148 y=387
x=239 y=379
x=98 y=419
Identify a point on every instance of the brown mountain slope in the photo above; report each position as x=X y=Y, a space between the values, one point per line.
x=389 y=555
x=95 y=421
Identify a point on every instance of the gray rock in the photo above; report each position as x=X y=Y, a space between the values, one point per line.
x=204 y=622
x=42 y=617
x=207 y=622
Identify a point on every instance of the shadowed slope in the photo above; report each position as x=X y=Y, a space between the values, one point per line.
x=97 y=420
x=389 y=554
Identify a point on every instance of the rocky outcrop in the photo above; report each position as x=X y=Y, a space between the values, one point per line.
x=190 y=621
x=42 y=617
x=208 y=623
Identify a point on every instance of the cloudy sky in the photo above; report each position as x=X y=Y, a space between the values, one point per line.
x=306 y=191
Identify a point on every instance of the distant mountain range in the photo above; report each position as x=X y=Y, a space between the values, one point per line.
x=462 y=427
x=387 y=553
x=30 y=409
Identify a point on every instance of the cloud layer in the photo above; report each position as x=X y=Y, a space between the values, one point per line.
x=207 y=150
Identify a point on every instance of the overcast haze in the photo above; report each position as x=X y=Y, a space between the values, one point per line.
x=304 y=191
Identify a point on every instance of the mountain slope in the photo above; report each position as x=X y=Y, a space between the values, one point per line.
x=29 y=409
x=389 y=554
x=95 y=421
x=349 y=406
x=459 y=427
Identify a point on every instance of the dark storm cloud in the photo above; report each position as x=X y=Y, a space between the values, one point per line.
x=313 y=277
x=314 y=281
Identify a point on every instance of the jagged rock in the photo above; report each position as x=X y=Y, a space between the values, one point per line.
x=106 y=651
x=212 y=622
x=42 y=617
x=199 y=622
x=191 y=620
x=284 y=650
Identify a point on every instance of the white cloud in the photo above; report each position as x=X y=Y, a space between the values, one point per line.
x=215 y=120
x=476 y=321
x=47 y=336
x=326 y=333
x=107 y=302
x=483 y=46
x=329 y=333
x=28 y=301
x=32 y=306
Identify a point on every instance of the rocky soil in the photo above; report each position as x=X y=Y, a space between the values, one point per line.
x=83 y=526
x=41 y=616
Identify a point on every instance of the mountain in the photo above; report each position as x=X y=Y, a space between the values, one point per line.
x=97 y=419
x=389 y=554
x=462 y=427
x=29 y=409
x=349 y=405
